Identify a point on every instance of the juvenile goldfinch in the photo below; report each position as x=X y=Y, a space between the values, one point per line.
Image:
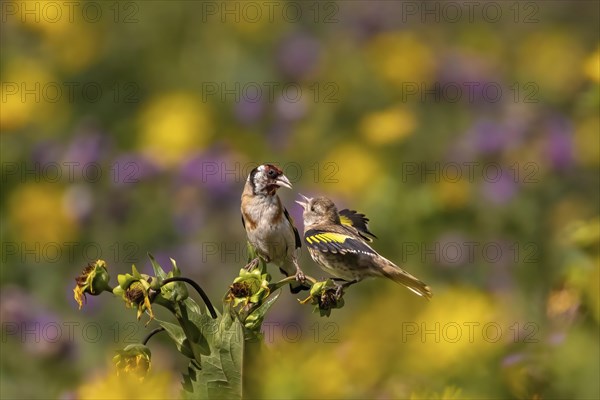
x=268 y=225
x=341 y=248
x=359 y=221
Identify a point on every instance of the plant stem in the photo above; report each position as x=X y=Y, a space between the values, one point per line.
x=205 y=298
x=289 y=279
x=154 y=332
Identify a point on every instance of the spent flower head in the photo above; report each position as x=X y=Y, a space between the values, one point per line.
x=325 y=295
x=250 y=287
x=93 y=280
x=133 y=360
x=136 y=290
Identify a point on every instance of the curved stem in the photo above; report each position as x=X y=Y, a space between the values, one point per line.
x=154 y=332
x=290 y=279
x=205 y=298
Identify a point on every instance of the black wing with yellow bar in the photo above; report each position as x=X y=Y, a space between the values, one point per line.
x=334 y=242
x=359 y=221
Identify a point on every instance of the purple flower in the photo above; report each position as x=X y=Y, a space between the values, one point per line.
x=298 y=55
x=559 y=144
x=489 y=136
x=290 y=108
x=366 y=21
x=499 y=188
x=86 y=148
x=279 y=134
x=188 y=213
x=48 y=151
x=513 y=359
x=215 y=171
x=557 y=338
x=39 y=332
x=131 y=168
x=467 y=79
x=295 y=212
x=249 y=111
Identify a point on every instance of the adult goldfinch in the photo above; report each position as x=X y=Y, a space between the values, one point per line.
x=268 y=225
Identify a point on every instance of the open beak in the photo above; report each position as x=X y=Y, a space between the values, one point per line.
x=283 y=181
x=304 y=203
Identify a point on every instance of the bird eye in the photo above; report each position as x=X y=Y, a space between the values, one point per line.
x=272 y=173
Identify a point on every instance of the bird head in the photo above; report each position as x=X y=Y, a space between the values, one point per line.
x=318 y=211
x=266 y=179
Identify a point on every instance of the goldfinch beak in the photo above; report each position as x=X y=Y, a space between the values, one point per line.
x=283 y=181
x=304 y=203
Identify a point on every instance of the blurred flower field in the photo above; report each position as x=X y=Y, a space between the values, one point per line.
x=468 y=134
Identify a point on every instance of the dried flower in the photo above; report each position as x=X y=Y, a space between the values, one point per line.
x=93 y=280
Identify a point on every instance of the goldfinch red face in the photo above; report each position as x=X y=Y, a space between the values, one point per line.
x=266 y=179
x=319 y=210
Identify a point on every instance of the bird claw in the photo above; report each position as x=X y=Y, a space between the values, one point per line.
x=251 y=265
x=339 y=291
x=300 y=277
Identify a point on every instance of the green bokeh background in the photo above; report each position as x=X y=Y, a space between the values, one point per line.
x=130 y=128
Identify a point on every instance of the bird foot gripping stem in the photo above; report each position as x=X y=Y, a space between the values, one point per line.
x=300 y=277
x=252 y=264
x=339 y=291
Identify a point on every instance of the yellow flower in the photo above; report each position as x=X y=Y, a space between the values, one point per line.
x=584 y=233
x=50 y=17
x=388 y=126
x=32 y=95
x=173 y=126
x=586 y=141
x=126 y=386
x=473 y=330
x=592 y=290
x=453 y=194
x=75 y=48
x=353 y=168
x=591 y=66
x=542 y=60
x=38 y=217
x=449 y=393
x=400 y=57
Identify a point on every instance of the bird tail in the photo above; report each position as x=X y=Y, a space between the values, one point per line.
x=398 y=275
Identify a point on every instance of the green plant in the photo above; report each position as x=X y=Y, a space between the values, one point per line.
x=221 y=345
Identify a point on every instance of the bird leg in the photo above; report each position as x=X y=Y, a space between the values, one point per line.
x=252 y=264
x=300 y=277
x=339 y=287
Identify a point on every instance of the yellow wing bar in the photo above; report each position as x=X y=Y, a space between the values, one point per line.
x=327 y=237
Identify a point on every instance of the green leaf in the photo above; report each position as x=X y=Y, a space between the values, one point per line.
x=176 y=333
x=158 y=271
x=255 y=319
x=193 y=307
x=175 y=270
x=221 y=373
x=194 y=326
x=136 y=274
